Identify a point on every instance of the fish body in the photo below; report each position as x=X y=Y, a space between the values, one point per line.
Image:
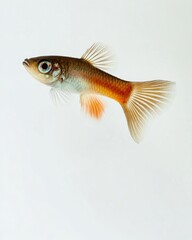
x=86 y=77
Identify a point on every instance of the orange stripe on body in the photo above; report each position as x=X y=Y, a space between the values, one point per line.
x=100 y=82
x=111 y=87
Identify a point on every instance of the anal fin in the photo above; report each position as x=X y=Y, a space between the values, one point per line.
x=92 y=105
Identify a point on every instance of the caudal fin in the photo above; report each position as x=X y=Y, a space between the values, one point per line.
x=146 y=99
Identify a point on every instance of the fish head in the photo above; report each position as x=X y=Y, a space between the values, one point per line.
x=47 y=69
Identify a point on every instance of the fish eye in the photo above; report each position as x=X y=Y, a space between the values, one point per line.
x=44 y=66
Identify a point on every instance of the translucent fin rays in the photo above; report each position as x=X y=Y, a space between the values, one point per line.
x=98 y=56
x=147 y=99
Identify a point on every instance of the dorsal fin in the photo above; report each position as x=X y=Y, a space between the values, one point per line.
x=98 y=56
x=92 y=105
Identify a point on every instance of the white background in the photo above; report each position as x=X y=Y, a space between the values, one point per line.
x=65 y=176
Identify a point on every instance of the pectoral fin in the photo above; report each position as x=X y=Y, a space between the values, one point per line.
x=59 y=95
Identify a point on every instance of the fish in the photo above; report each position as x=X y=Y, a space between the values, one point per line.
x=88 y=77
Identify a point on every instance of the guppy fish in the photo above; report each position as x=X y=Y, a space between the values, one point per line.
x=86 y=76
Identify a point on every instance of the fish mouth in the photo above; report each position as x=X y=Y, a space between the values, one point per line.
x=26 y=62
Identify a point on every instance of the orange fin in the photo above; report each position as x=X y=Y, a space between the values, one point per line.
x=92 y=105
x=146 y=99
x=98 y=56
